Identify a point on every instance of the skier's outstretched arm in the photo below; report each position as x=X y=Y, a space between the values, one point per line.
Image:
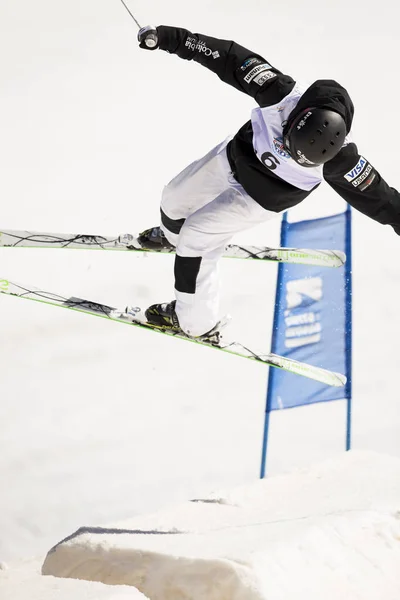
x=245 y=70
x=360 y=184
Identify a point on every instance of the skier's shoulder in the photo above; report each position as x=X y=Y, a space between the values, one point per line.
x=328 y=93
x=326 y=88
x=345 y=160
x=260 y=79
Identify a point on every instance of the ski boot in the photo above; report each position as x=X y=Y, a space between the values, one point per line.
x=165 y=317
x=154 y=239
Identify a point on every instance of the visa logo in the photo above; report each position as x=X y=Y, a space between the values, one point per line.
x=356 y=170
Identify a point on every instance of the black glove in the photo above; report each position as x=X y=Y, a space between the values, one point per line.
x=148 y=37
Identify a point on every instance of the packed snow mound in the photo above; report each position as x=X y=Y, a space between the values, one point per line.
x=25 y=583
x=327 y=532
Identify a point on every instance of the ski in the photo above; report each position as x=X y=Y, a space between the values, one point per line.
x=129 y=242
x=135 y=317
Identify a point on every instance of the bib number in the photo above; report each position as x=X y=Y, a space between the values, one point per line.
x=270 y=161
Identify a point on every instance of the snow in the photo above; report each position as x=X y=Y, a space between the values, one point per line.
x=25 y=581
x=329 y=531
x=98 y=423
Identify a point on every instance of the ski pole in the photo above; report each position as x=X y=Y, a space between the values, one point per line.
x=151 y=40
x=136 y=21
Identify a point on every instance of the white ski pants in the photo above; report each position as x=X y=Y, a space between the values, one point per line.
x=201 y=209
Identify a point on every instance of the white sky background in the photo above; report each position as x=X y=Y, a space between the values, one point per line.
x=99 y=421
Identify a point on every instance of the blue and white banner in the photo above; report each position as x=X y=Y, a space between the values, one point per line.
x=312 y=321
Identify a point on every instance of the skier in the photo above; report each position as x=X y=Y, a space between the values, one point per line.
x=297 y=136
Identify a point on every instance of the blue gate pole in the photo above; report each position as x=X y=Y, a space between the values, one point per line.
x=265 y=441
x=284 y=227
x=348 y=321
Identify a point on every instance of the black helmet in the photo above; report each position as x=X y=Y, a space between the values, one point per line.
x=315 y=136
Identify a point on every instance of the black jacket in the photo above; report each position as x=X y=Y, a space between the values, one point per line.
x=366 y=191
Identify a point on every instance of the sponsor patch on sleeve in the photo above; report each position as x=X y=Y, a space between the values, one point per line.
x=356 y=170
x=256 y=71
x=249 y=62
x=368 y=182
x=362 y=174
x=263 y=77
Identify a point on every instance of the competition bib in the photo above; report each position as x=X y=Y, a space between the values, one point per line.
x=268 y=124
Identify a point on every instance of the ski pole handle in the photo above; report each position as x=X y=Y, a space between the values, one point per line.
x=151 y=41
x=148 y=37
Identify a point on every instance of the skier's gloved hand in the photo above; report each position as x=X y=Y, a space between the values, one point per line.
x=148 y=37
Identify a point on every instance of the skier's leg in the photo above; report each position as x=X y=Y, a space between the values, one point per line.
x=201 y=243
x=197 y=185
x=201 y=209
